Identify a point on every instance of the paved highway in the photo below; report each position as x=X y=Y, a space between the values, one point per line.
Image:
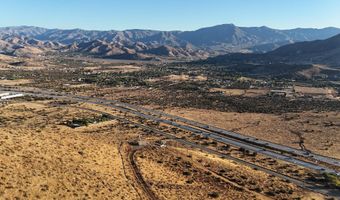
x=220 y=135
x=248 y=139
x=316 y=188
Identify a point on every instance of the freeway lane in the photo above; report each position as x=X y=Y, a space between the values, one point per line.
x=224 y=140
x=309 y=186
x=134 y=110
x=240 y=137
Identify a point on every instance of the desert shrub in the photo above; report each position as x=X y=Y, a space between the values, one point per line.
x=332 y=179
x=213 y=194
x=186 y=173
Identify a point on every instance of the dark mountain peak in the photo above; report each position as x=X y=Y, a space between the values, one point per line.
x=214 y=40
x=222 y=26
x=219 y=28
x=325 y=52
x=212 y=35
x=318 y=48
x=335 y=38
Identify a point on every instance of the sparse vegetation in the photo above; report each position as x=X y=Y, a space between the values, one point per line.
x=333 y=180
x=206 y=92
x=78 y=122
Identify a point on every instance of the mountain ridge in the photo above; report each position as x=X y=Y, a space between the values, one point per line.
x=324 y=52
x=207 y=41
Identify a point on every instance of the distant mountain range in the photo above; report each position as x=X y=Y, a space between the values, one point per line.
x=151 y=44
x=325 y=52
x=313 y=59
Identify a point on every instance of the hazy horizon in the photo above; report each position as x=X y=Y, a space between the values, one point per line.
x=167 y=30
x=169 y=15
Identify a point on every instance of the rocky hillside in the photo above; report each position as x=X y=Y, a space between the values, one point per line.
x=134 y=44
x=319 y=51
x=314 y=59
x=325 y=52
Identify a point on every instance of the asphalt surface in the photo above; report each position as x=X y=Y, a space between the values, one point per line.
x=309 y=186
x=200 y=129
x=237 y=136
x=220 y=135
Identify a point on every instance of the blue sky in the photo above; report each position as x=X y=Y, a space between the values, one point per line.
x=169 y=14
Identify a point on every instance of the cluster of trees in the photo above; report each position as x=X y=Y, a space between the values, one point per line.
x=78 y=122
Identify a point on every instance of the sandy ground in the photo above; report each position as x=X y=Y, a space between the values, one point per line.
x=314 y=90
x=122 y=68
x=169 y=181
x=240 y=92
x=321 y=131
x=315 y=71
x=117 y=92
x=15 y=82
x=5 y=57
x=299 y=90
x=29 y=68
x=28 y=64
x=81 y=85
x=42 y=160
x=179 y=78
x=176 y=173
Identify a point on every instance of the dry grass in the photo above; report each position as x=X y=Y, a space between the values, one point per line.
x=241 y=92
x=179 y=78
x=40 y=159
x=321 y=131
x=122 y=68
x=15 y=82
x=315 y=91
x=5 y=57
x=171 y=178
x=85 y=85
x=177 y=173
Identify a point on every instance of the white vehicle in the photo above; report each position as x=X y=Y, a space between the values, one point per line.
x=5 y=96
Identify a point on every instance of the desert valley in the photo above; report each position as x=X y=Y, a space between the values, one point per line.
x=222 y=112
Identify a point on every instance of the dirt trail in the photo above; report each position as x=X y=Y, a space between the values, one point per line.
x=219 y=176
x=124 y=169
x=139 y=176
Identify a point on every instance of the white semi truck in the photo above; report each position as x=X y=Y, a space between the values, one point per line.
x=6 y=95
